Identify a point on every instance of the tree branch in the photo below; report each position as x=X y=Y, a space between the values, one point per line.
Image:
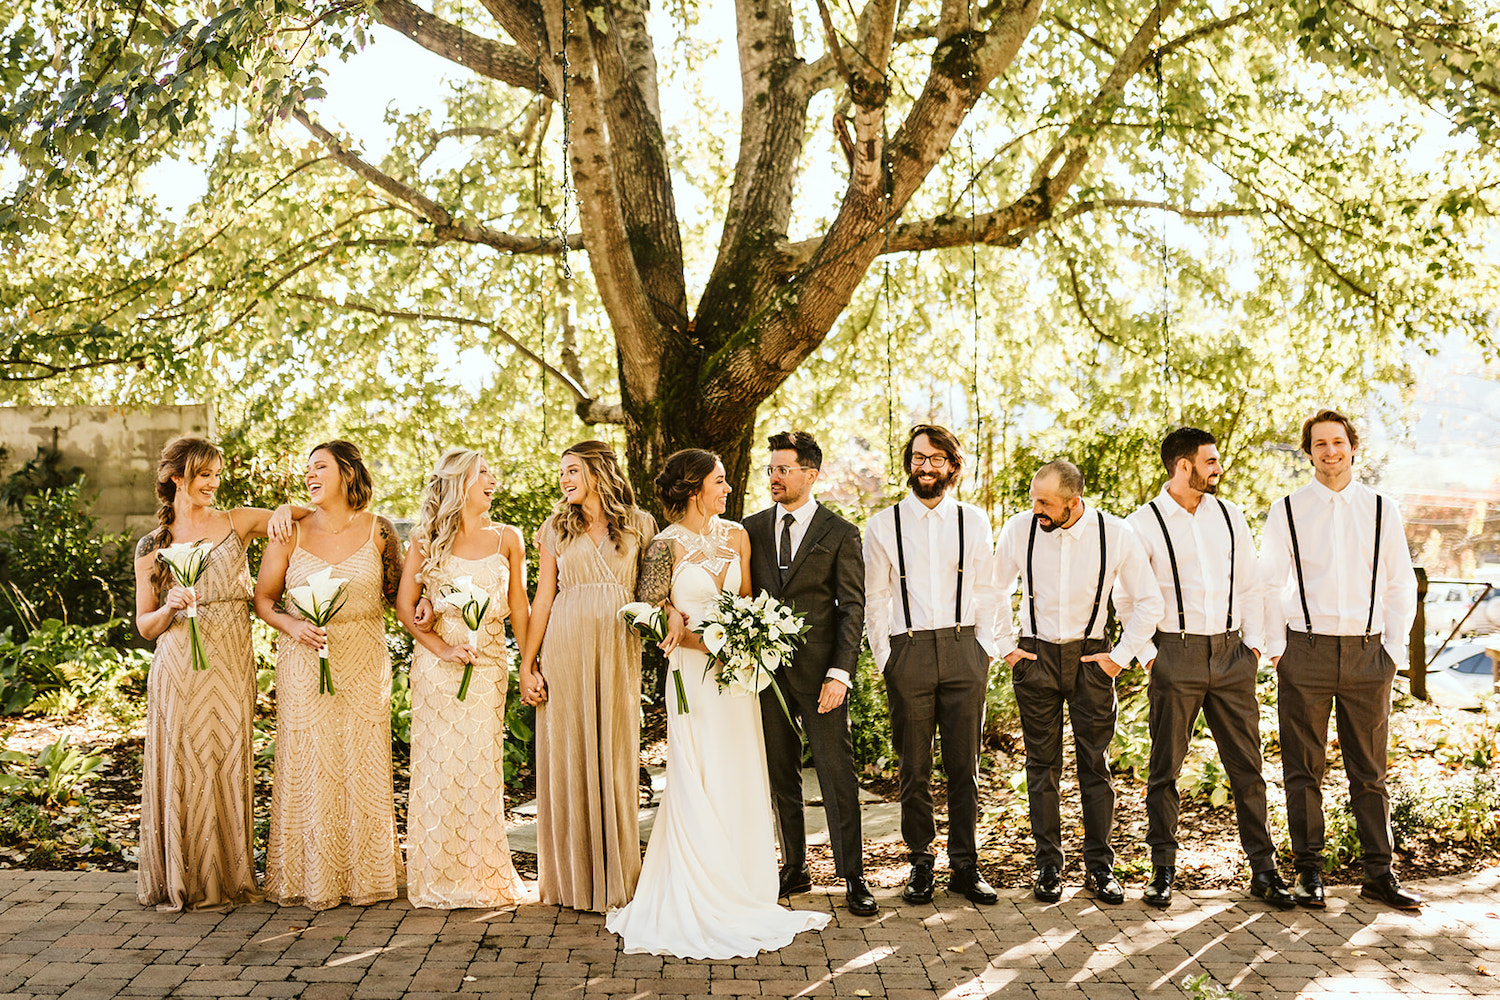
x=508 y=64
x=428 y=210
x=590 y=410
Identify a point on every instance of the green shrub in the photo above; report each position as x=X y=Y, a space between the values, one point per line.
x=53 y=564
x=59 y=668
x=52 y=777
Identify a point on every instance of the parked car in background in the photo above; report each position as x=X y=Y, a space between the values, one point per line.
x=1461 y=676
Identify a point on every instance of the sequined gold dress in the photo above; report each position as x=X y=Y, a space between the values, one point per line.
x=197 y=776
x=333 y=821
x=588 y=729
x=456 y=849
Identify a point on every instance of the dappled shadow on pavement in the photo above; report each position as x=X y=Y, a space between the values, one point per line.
x=82 y=936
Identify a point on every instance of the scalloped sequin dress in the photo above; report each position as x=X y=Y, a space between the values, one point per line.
x=457 y=854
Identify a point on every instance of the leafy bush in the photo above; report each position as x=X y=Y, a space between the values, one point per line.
x=1464 y=807
x=60 y=667
x=53 y=564
x=51 y=777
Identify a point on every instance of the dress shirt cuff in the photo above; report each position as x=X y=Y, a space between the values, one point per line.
x=837 y=674
x=1005 y=645
x=1399 y=653
x=881 y=650
x=1122 y=655
x=1146 y=655
x=1275 y=647
x=1253 y=642
x=988 y=643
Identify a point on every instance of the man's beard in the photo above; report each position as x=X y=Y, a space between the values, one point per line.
x=940 y=483
x=1201 y=483
x=1047 y=524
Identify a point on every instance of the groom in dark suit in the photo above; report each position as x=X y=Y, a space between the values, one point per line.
x=806 y=556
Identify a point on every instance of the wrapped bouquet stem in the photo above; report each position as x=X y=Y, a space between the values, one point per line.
x=318 y=601
x=472 y=602
x=187 y=561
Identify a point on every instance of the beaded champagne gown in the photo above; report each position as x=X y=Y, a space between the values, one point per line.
x=588 y=729
x=333 y=819
x=456 y=849
x=708 y=885
x=197 y=775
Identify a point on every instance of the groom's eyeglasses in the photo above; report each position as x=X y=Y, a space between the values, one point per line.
x=786 y=470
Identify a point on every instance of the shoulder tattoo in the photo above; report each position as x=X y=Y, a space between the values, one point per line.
x=655 y=583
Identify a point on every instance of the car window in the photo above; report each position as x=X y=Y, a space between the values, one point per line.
x=1479 y=663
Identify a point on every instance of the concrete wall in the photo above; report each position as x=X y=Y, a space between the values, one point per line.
x=117 y=450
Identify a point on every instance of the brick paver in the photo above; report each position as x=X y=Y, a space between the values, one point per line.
x=82 y=936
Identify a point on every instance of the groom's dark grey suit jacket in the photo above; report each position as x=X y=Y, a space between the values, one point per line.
x=826 y=584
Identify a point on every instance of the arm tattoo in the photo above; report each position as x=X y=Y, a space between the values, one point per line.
x=146 y=545
x=655 y=583
x=390 y=562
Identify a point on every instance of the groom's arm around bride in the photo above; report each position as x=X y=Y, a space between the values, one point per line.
x=810 y=558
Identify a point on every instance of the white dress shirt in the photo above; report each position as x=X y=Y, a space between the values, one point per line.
x=1336 y=536
x=1201 y=543
x=930 y=537
x=1067 y=577
x=801 y=518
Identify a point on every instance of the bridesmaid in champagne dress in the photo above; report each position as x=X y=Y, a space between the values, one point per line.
x=333 y=822
x=198 y=775
x=456 y=849
x=587 y=687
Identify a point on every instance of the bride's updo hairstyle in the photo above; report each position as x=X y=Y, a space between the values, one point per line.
x=682 y=477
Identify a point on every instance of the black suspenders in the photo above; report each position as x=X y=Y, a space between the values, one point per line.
x=1177 y=580
x=1374 y=565
x=1031 y=577
x=958 y=591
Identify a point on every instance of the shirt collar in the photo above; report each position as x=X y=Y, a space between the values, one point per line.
x=802 y=515
x=919 y=510
x=1085 y=520
x=1169 y=506
x=1345 y=495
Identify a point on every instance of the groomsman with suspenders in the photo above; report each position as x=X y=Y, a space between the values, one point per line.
x=1340 y=599
x=1206 y=651
x=1069 y=558
x=930 y=613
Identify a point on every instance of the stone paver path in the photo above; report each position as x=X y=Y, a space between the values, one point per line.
x=83 y=937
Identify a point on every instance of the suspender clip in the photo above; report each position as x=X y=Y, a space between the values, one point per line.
x=957 y=630
x=1182 y=635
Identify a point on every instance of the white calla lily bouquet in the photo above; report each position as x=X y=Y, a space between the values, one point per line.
x=318 y=600
x=748 y=639
x=187 y=561
x=650 y=623
x=472 y=602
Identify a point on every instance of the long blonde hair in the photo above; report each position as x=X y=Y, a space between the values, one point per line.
x=441 y=512
x=609 y=484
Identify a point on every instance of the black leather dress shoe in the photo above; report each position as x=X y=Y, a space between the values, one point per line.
x=1385 y=889
x=795 y=880
x=1048 y=885
x=859 y=898
x=1268 y=885
x=1102 y=883
x=919 y=884
x=1159 y=890
x=968 y=883
x=1307 y=890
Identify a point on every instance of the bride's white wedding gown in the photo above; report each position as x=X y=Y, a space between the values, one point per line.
x=708 y=883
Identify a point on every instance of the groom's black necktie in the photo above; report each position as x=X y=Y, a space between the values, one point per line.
x=784 y=550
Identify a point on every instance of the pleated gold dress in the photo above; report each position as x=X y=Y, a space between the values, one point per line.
x=457 y=853
x=198 y=776
x=333 y=817
x=588 y=730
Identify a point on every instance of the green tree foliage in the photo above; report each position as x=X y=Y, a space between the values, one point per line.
x=1059 y=227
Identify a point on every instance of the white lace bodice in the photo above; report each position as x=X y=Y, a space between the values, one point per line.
x=714 y=555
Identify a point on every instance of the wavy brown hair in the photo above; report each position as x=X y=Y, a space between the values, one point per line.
x=609 y=484
x=183 y=458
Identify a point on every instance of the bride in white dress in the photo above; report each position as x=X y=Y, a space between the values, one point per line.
x=708 y=883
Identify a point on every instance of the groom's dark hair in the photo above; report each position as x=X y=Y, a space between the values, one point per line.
x=808 y=452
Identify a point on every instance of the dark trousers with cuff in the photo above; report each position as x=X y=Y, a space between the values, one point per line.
x=935 y=683
x=1352 y=676
x=1214 y=673
x=1056 y=677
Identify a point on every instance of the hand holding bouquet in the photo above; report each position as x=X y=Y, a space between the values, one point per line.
x=187 y=561
x=747 y=640
x=650 y=623
x=471 y=601
x=318 y=601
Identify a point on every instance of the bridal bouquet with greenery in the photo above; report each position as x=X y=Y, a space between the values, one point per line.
x=187 y=561
x=318 y=600
x=748 y=639
x=471 y=601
